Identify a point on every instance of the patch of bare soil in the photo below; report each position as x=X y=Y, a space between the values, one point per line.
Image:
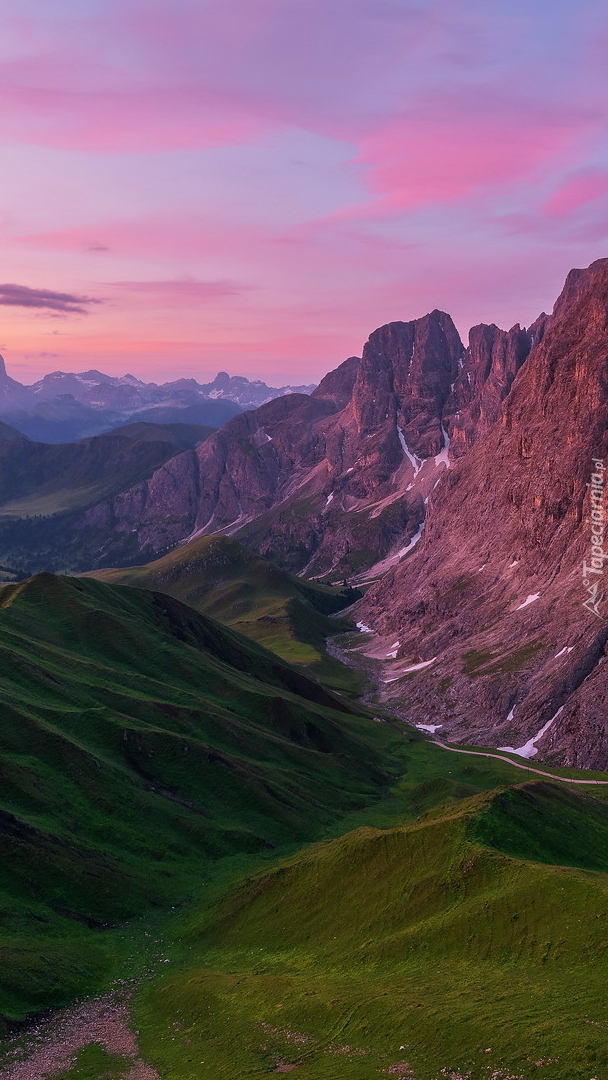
x=53 y=1043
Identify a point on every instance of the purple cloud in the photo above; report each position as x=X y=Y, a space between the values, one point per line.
x=66 y=303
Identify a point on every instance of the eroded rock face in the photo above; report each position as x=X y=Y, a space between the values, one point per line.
x=326 y=484
x=494 y=592
x=492 y=361
x=458 y=480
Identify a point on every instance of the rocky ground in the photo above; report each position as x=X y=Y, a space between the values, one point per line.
x=52 y=1044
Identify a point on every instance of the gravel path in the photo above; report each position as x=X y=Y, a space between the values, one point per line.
x=52 y=1044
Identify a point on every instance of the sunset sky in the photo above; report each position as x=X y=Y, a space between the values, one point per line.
x=255 y=185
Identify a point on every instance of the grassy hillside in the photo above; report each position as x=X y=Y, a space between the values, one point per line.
x=422 y=952
x=140 y=742
x=221 y=578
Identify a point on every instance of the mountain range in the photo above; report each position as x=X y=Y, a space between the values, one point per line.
x=64 y=407
x=313 y=725
x=453 y=479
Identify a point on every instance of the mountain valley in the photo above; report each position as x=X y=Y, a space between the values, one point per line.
x=318 y=717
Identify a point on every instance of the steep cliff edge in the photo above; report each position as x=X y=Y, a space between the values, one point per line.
x=492 y=600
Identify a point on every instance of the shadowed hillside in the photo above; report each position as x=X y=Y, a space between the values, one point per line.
x=221 y=578
x=44 y=489
x=139 y=742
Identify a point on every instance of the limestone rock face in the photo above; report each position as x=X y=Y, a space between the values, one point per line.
x=462 y=484
x=494 y=593
x=491 y=363
x=332 y=483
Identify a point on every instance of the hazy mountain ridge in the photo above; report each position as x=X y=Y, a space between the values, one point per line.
x=64 y=406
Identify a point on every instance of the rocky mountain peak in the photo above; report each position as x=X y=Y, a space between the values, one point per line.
x=491 y=362
x=579 y=284
x=337 y=385
x=405 y=377
x=493 y=596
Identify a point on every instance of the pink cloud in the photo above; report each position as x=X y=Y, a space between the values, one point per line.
x=140 y=77
x=414 y=162
x=577 y=192
x=128 y=121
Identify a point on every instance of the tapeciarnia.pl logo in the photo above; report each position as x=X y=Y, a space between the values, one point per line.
x=593 y=571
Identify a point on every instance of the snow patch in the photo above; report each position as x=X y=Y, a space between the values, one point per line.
x=511 y=714
x=363 y=628
x=529 y=750
x=444 y=456
x=566 y=649
x=529 y=600
x=512 y=564
x=385 y=564
x=429 y=727
x=413 y=541
x=412 y=667
x=415 y=461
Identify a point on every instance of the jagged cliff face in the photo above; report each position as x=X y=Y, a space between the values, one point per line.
x=327 y=484
x=456 y=480
x=493 y=359
x=336 y=483
x=492 y=599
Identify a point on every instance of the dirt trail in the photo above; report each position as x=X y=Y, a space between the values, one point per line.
x=351 y=655
x=517 y=764
x=52 y=1044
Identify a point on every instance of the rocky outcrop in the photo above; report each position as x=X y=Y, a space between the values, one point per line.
x=492 y=599
x=337 y=385
x=336 y=483
x=331 y=484
x=12 y=394
x=492 y=361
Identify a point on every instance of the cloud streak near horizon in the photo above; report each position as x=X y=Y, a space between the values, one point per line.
x=259 y=183
x=66 y=303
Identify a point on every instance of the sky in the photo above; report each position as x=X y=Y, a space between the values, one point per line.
x=256 y=185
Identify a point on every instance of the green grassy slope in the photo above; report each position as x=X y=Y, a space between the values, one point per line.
x=139 y=742
x=221 y=578
x=422 y=952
